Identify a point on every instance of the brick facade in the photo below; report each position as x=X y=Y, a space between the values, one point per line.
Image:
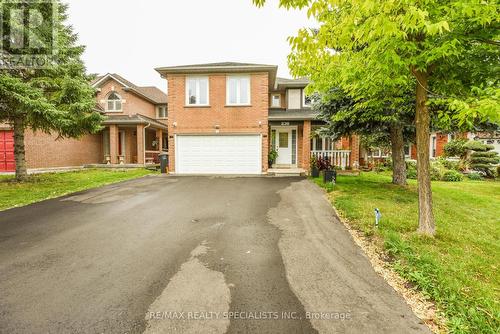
x=131 y=104
x=46 y=151
x=227 y=119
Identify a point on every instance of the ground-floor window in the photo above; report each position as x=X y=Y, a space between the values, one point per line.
x=105 y=137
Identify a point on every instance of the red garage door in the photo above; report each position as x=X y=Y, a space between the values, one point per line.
x=7 y=162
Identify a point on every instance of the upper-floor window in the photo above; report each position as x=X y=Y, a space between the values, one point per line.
x=276 y=100
x=306 y=100
x=114 y=102
x=161 y=112
x=238 y=90
x=293 y=96
x=197 y=91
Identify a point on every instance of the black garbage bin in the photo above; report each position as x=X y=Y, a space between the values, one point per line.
x=330 y=176
x=163 y=162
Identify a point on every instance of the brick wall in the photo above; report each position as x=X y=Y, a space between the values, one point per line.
x=441 y=140
x=45 y=151
x=354 y=147
x=131 y=104
x=230 y=119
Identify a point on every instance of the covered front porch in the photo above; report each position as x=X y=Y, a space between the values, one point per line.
x=133 y=140
x=295 y=142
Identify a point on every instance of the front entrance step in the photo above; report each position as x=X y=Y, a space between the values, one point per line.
x=286 y=172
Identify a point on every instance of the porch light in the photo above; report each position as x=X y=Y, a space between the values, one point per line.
x=174 y=124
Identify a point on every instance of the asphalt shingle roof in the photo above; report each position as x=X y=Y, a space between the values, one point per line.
x=152 y=93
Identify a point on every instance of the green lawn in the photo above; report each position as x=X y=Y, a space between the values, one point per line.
x=459 y=268
x=44 y=186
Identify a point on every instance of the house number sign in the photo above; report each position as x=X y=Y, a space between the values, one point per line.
x=285 y=123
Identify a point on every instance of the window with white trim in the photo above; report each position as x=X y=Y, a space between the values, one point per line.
x=306 y=100
x=276 y=100
x=433 y=146
x=197 y=91
x=161 y=112
x=238 y=90
x=114 y=102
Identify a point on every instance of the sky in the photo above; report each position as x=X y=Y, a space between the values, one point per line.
x=134 y=37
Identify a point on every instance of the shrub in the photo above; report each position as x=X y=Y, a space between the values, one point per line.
x=437 y=170
x=411 y=169
x=452 y=176
x=483 y=158
x=450 y=164
x=388 y=163
x=324 y=164
x=313 y=162
x=475 y=176
x=273 y=155
x=477 y=146
x=455 y=148
x=498 y=171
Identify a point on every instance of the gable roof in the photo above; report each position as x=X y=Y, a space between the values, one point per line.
x=151 y=93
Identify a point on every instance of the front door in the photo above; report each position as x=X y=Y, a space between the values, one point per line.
x=284 y=146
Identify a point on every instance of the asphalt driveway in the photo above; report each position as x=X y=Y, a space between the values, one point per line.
x=191 y=255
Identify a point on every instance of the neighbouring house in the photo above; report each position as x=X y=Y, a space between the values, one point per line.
x=134 y=131
x=224 y=118
x=437 y=142
x=136 y=121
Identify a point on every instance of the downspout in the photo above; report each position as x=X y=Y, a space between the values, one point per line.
x=144 y=140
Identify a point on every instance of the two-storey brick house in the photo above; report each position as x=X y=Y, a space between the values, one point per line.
x=224 y=118
x=136 y=120
x=134 y=131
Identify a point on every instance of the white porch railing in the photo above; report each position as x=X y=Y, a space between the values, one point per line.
x=338 y=158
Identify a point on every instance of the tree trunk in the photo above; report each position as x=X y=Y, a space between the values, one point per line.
x=21 y=172
x=426 y=224
x=398 y=155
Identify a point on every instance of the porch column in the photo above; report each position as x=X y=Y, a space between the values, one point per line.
x=159 y=135
x=306 y=145
x=140 y=144
x=355 y=151
x=113 y=143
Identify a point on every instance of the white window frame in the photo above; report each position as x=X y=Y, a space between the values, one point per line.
x=114 y=102
x=272 y=100
x=158 y=115
x=238 y=90
x=304 y=100
x=433 y=146
x=198 y=78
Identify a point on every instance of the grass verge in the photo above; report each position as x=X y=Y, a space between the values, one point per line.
x=458 y=269
x=44 y=186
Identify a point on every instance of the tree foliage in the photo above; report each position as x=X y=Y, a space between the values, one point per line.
x=483 y=158
x=447 y=49
x=56 y=98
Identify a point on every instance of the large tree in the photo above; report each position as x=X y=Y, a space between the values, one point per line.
x=391 y=122
x=449 y=48
x=54 y=98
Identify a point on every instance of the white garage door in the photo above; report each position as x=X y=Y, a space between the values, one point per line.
x=234 y=154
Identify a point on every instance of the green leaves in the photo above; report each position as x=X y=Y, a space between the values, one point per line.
x=58 y=98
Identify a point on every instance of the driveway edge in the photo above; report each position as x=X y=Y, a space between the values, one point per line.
x=423 y=308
